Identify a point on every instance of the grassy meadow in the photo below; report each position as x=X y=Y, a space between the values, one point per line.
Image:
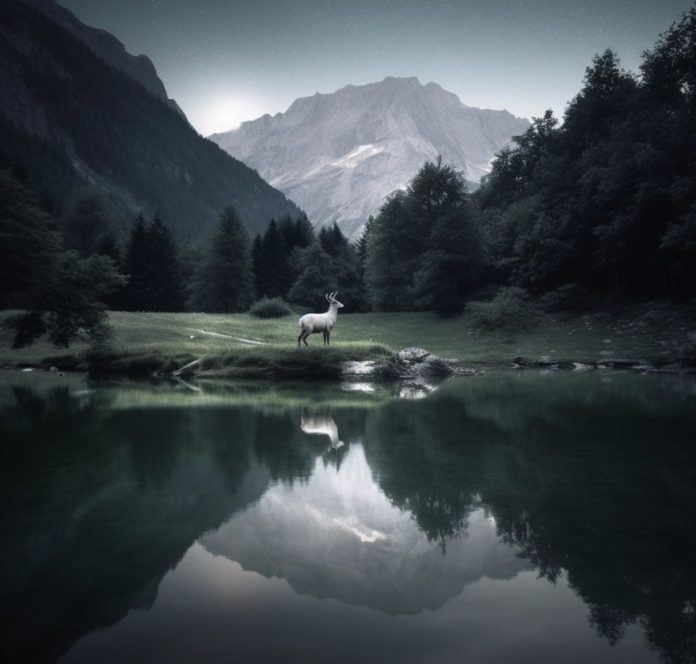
x=239 y=344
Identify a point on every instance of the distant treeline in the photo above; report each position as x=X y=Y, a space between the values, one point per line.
x=228 y=273
x=64 y=272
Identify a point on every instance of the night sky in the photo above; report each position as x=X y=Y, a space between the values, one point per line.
x=226 y=61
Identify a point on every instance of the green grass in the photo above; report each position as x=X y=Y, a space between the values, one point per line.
x=145 y=342
x=279 y=361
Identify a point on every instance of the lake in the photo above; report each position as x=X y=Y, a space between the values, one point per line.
x=517 y=516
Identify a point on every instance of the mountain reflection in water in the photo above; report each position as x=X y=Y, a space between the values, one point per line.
x=515 y=516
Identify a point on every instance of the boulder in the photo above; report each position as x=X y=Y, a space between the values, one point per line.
x=414 y=365
x=416 y=362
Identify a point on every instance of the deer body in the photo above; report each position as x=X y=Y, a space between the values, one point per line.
x=311 y=323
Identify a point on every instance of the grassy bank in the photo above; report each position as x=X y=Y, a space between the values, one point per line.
x=240 y=345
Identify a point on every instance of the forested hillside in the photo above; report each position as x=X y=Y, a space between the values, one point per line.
x=74 y=121
x=607 y=199
x=603 y=203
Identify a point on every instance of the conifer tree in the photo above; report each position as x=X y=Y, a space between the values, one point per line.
x=152 y=267
x=258 y=266
x=272 y=275
x=164 y=287
x=316 y=278
x=86 y=221
x=225 y=282
x=133 y=296
x=29 y=241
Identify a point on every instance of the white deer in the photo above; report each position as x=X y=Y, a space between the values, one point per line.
x=311 y=323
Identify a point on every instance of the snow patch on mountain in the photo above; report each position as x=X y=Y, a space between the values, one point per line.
x=353 y=158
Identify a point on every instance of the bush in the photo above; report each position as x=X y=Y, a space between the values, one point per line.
x=511 y=308
x=273 y=307
x=568 y=297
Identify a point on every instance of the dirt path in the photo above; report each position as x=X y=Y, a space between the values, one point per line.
x=227 y=336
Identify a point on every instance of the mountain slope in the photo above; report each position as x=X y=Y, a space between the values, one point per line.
x=108 y=48
x=74 y=120
x=338 y=155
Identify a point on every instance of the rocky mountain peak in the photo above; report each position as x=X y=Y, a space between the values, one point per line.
x=339 y=155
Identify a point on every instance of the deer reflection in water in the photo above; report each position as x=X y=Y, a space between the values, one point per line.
x=322 y=425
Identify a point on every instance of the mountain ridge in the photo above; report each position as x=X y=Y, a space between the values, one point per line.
x=107 y=47
x=74 y=121
x=339 y=154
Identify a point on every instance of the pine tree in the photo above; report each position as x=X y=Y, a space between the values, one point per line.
x=133 y=296
x=225 y=282
x=304 y=233
x=346 y=266
x=164 y=287
x=298 y=234
x=29 y=242
x=362 y=243
x=86 y=221
x=333 y=241
x=272 y=276
x=316 y=278
x=361 y=248
x=258 y=266
x=152 y=267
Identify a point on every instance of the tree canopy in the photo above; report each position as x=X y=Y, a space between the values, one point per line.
x=60 y=293
x=424 y=248
x=607 y=199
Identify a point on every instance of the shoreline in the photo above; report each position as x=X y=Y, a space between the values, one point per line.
x=654 y=336
x=386 y=368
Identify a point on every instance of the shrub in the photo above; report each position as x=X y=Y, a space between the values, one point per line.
x=565 y=298
x=511 y=308
x=273 y=307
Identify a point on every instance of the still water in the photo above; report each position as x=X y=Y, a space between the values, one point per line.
x=512 y=517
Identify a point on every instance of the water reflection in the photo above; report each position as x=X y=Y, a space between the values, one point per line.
x=323 y=425
x=339 y=536
x=123 y=505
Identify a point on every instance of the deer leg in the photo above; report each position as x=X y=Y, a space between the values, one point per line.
x=304 y=338
x=328 y=337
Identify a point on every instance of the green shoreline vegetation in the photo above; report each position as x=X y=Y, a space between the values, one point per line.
x=242 y=346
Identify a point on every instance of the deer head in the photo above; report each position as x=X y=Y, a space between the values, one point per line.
x=331 y=299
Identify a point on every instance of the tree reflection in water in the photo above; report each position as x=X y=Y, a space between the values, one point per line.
x=594 y=479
